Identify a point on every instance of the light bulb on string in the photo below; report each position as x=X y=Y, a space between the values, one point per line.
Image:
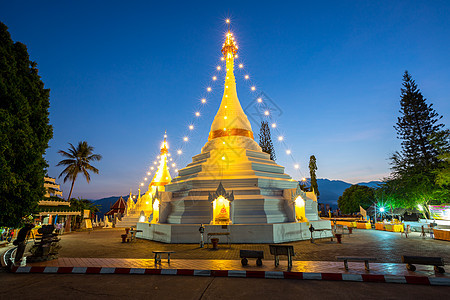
x=241 y=66
x=296 y=166
x=253 y=88
x=274 y=125
x=209 y=89
x=148 y=173
x=259 y=99
x=214 y=78
x=152 y=168
x=246 y=77
x=266 y=113
x=145 y=178
x=280 y=138
x=218 y=68
x=197 y=114
x=185 y=139
x=179 y=151
x=288 y=152
x=191 y=127
x=203 y=100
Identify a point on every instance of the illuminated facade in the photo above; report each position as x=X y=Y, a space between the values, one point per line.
x=232 y=185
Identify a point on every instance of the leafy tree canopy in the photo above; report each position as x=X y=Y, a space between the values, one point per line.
x=312 y=173
x=24 y=131
x=355 y=196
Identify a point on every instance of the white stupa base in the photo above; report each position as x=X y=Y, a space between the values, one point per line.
x=239 y=233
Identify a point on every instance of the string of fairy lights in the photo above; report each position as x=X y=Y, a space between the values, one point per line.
x=265 y=109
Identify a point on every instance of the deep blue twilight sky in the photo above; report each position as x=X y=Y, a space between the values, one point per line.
x=122 y=72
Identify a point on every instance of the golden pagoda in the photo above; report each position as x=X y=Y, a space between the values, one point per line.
x=144 y=203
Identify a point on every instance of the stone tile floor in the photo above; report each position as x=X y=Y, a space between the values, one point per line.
x=387 y=247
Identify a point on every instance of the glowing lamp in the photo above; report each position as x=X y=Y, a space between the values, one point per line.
x=191 y=127
x=218 y=68
x=296 y=166
x=151 y=168
x=173 y=165
x=253 y=88
x=227 y=21
x=259 y=100
x=197 y=114
x=420 y=207
x=185 y=139
x=266 y=112
x=142 y=184
x=203 y=100
x=241 y=66
x=303 y=179
x=223 y=157
x=214 y=78
x=176 y=170
x=288 y=152
x=246 y=77
x=148 y=173
x=145 y=178
x=280 y=138
x=274 y=125
x=381 y=209
x=208 y=89
x=222 y=59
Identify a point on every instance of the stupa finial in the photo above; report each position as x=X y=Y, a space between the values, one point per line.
x=164 y=146
x=229 y=48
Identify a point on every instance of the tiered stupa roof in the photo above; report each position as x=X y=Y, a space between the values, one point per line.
x=162 y=176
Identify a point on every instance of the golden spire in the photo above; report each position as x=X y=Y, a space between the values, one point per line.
x=230 y=120
x=162 y=176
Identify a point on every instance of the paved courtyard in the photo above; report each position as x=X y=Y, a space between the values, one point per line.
x=385 y=246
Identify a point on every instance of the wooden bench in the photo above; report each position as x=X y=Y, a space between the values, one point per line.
x=211 y=234
x=244 y=254
x=133 y=234
x=287 y=250
x=437 y=262
x=346 y=259
x=158 y=256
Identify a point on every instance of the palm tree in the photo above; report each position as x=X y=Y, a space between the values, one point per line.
x=78 y=161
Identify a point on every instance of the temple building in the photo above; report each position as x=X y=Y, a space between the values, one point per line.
x=54 y=209
x=144 y=208
x=232 y=186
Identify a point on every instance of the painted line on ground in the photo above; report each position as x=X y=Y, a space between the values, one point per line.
x=423 y=280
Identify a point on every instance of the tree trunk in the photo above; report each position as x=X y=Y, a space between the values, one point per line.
x=71 y=189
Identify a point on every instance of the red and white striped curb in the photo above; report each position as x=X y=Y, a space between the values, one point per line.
x=241 y=273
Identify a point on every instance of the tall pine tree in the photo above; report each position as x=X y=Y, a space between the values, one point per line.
x=265 y=140
x=412 y=180
x=24 y=131
x=312 y=174
x=415 y=127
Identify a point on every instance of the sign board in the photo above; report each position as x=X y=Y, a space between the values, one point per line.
x=86 y=214
x=440 y=212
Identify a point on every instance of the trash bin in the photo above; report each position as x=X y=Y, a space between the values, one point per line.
x=215 y=242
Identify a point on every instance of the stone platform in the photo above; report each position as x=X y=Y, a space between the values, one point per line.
x=239 y=233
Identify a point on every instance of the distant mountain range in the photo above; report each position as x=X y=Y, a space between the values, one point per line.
x=330 y=190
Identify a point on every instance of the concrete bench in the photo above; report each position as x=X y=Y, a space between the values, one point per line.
x=346 y=259
x=158 y=256
x=244 y=254
x=437 y=262
x=277 y=250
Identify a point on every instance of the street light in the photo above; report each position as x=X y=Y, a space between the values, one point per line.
x=382 y=209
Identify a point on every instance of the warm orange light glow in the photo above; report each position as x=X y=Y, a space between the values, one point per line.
x=227 y=21
x=280 y=138
x=288 y=152
x=185 y=139
x=253 y=88
x=274 y=125
x=197 y=114
x=267 y=113
x=208 y=89
x=179 y=151
x=191 y=127
x=241 y=66
x=259 y=100
x=152 y=168
x=214 y=78
x=303 y=179
x=219 y=67
x=296 y=166
x=246 y=77
x=203 y=100
x=148 y=173
x=221 y=211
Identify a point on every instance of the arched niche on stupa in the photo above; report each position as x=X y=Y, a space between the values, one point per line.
x=221 y=206
x=156 y=204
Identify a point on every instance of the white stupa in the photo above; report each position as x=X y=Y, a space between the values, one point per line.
x=232 y=186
